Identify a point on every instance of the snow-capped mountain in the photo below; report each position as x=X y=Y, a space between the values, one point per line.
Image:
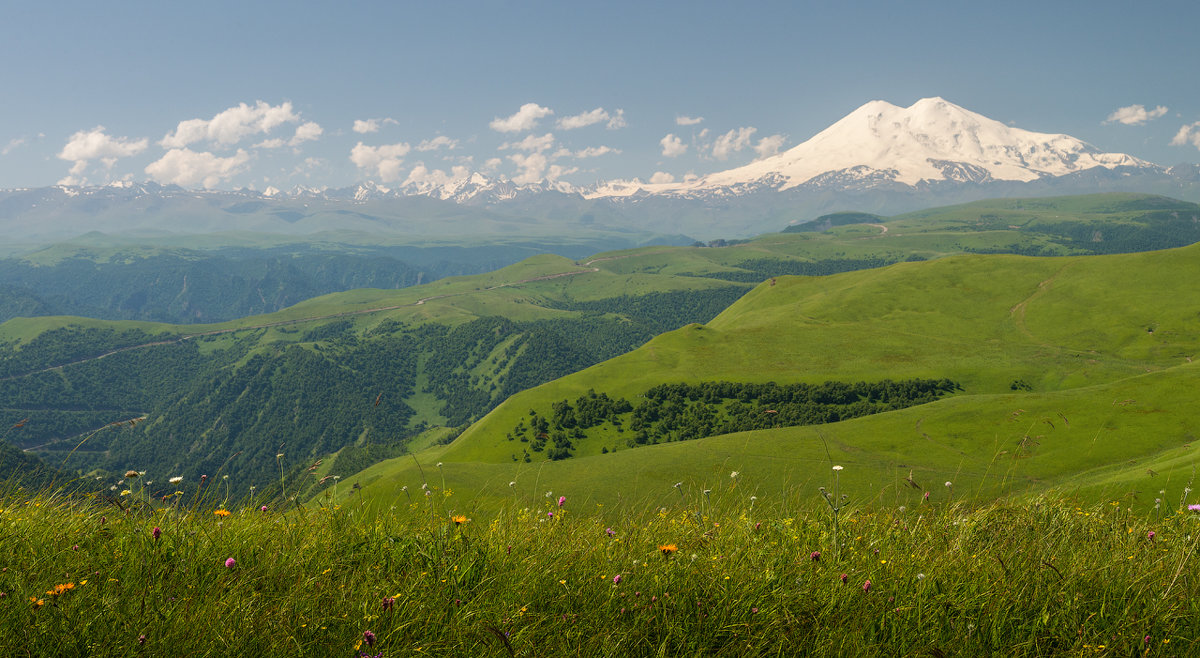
x=880 y=143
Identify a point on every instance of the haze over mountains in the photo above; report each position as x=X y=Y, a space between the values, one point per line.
x=880 y=158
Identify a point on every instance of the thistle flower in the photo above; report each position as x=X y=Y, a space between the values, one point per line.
x=1194 y=508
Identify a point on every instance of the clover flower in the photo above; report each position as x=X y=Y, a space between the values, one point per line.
x=229 y=563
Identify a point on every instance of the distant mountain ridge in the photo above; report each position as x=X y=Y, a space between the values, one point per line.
x=880 y=158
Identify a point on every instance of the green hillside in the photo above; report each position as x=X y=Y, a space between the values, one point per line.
x=351 y=378
x=1075 y=372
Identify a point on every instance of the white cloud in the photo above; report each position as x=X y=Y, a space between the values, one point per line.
x=555 y=172
x=364 y=126
x=186 y=167
x=1135 y=115
x=731 y=142
x=384 y=160
x=531 y=167
x=662 y=177
x=12 y=144
x=232 y=125
x=593 y=151
x=422 y=175
x=441 y=141
x=768 y=146
x=526 y=118
x=306 y=132
x=531 y=143
x=672 y=146
x=616 y=121
x=1188 y=134
x=87 y=145
x=687 y=121
x=598 y=115
x=492 y=164
x=274 y=143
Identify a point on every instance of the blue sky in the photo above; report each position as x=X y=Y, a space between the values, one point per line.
x=227 y=95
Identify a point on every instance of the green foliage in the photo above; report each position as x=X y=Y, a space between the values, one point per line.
x=718 y=573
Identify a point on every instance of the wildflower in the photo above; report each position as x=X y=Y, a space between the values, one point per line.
x=949 y=484
x=512 y=483
x=126 y=492
x=668 y=549
x=1194 y=508
x=75 y=547
x=550 y=515
x=388 y=602
x=1150 y=535
x=221 y=512
x=617 y=579
x=610 y=532
x=156 y=533
x=131 y=474
x=37 y=603
x=263 y=508
x=203 y=478
x=815 y=556
x=733 y=475
x=368 y=636
x=459 y=519
x=562 y=500
x=707 y=491
x=678 y=485
x=920 y=576
x=926 y=496
x=867 y=586
x=229 y=563
x=142 y=639
x=845 y=578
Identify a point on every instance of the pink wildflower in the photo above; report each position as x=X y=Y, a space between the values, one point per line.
x=562 y=500
x=156 y=533
x=229 y=563
x=617 y=579
x=867 y=586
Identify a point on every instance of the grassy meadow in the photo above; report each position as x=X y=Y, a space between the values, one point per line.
x=716 y=572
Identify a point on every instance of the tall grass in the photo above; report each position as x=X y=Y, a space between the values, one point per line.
x=714 y=574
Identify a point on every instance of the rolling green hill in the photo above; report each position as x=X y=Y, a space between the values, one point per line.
x=1076 y=373
x=354 y=377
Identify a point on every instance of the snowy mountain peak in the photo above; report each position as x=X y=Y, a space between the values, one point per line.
x=881 y=143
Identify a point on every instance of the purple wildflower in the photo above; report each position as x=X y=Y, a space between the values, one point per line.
x=617 y=579
x=141 y=639
x=388 y=602
x=562 y=500
x=815 y=556
x=229 y=563
x=550 y=515
x=156 y=533
x=369 y=638
x=609 y=532
x=1194 y=508
x=1150 y=535
x=263 y=508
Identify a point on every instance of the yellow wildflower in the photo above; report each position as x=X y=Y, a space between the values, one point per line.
x=221 y=512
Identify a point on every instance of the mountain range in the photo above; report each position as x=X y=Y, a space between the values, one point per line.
x=879 y=158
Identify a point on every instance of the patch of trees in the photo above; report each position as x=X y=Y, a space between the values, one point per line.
x=681 y=412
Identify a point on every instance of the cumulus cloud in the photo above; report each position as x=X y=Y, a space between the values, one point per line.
x=231 y=126
x=1188 y=134
x=187 y=167
x=593 y=151
x=531 y=143
x=616 y=121
x=598 y=115
x=383 y=161
x=687 y=121
x=530 y=167
x=441 y=141
x=87 y=145
x=768 y=146
x=422 y=175
x=1135 y=115
x=306 y=132
x=731 y=142
x=492 y=164
x=662 y=177
x=13 y=143
x=525 y=118
x=672 y=146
